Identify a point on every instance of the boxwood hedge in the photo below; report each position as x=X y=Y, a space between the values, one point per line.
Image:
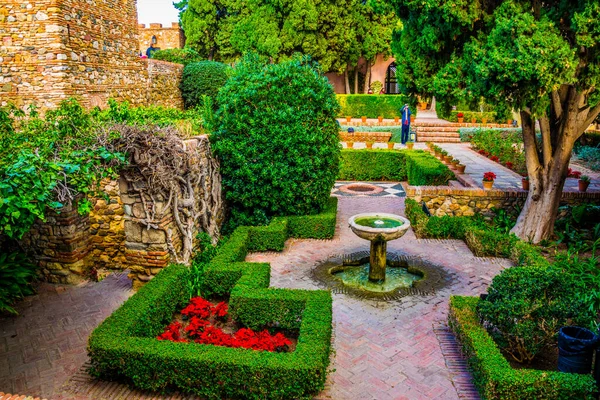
x=124 y=345
x=373 y=106
x=415 y=166
x=493 y=375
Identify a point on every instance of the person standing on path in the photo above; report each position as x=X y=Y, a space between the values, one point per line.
x=405 y=112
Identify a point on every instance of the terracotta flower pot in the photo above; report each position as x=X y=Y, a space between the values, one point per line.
x=509 y=122
x=473 y=120
x=460 y=168
x=348 y=119
x=380 y=119
x=448 y=159
x=396 y=119
x=364 y=119
x=461 y=120
x=484 y=121
x=369 y=145
x=487 y=185
x=525 y=183
x=391 y=145
x=412 y=119
x=423 y=106
x=454 y=165
x=350 y=145
x=410 y=145
x=583 y=185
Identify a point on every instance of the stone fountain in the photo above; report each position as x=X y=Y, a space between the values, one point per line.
x=379 y=228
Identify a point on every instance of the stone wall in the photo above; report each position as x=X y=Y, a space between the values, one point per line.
x=163 y=83
x=444 y=200
x=55 y=49
x=70 y=247
x=166 y=37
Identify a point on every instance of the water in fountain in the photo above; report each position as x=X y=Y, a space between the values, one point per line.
x=395 y=278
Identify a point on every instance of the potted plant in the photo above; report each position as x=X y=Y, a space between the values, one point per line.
x=455 y=162
x=391 y=145
x=410 y=145
x=396 y=119
x=473 y=120
x=380 y=118
x=460 y=168
x=348 y=119
x=483 y=120
x=488 y=180
x=461 y=117
x=369 y=144
x=509 y=122
x=448 y=159
x=412 y=118
x=584 y=182
x=525 y=182
x=349 y=145
x=364 y=119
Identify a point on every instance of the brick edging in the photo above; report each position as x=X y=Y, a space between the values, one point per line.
x=412 y=191
x=8 y=396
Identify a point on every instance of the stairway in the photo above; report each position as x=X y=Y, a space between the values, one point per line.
x=447 y=132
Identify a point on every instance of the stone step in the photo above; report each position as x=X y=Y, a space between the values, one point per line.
x=438 y=134
x=436 y=129
x=436 y=139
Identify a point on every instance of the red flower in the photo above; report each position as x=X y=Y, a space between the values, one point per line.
x=172 y=333
x=494 y=158
x=460 y=115
x=196 y=326
x=198 y=307
x=220 y=310
x=509 y=165
x=489 y=176
x=483 y=152
x=573 y=174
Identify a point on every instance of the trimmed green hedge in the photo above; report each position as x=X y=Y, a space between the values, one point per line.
x=493 y=375
x=124 y=345
x=415 y=166
x=482 y=241
x=203 y=78
x=396 y=131
x=373 y=106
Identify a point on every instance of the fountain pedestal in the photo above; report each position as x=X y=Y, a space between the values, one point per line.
x=378 y=259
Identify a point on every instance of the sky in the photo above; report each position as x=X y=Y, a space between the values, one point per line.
x=161 y=11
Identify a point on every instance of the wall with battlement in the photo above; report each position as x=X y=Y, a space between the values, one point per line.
x=171 y=37
x=55 y=49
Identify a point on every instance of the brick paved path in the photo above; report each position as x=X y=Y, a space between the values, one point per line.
x=382 y=350
x=385 y=350
x=42 y=347
x=477 y=165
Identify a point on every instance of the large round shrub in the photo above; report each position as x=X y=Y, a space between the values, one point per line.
x=202 y=78
x=276 y=135
x=526 y=306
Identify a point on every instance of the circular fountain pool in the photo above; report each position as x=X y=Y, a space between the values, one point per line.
x=358 y=277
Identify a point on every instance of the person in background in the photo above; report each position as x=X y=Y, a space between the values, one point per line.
x=151 y=50
x=405 y=112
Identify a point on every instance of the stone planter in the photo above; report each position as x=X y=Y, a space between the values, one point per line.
x=583 y=185
x=460 y=168
x=369 y=145
x=363 y=119
x=487 y=185
x=391 y=145
x=525 y=183
x=410 y=145
x=350 y=145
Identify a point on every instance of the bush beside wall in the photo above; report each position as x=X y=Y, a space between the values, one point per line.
x=124 y=345
x=493 y=375
x=373 y=106
x=415 y=166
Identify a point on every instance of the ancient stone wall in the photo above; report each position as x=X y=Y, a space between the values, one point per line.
x=55 y=49
x=166 y=37
x=163 y=83
x=70 y=247
x=444 y=200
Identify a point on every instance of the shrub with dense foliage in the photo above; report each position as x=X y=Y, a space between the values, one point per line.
x=590 y=156
x=16 y=274
x=493 y=375
x=526 y=306
x=373 y=106
x=124 y=345
x=505 y=145
x=415 y=166
x=276 y=135
x=183 y=56
x=200 y=79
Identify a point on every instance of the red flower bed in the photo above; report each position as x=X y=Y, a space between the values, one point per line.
x=494 y=159
x=571 y=173
x=204 y=325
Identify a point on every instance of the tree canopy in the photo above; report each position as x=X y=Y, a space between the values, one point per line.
x=541 y=58
x=336 y=33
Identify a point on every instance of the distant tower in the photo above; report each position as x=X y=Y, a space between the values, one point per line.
x=56 y=49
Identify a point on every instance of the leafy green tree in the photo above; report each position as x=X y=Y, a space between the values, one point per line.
x=276 y=136
x=542 y=58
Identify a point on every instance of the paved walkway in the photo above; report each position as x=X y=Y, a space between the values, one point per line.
x=382 y=350
x=477 y=165
x=46 y=344
x=385 y=350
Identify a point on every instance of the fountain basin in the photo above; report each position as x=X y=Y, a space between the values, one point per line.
x=366 y=227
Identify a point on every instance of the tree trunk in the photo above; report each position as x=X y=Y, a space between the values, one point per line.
x=347 y=80
x=548 y=163
x=368 y=78
x=356 y=79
